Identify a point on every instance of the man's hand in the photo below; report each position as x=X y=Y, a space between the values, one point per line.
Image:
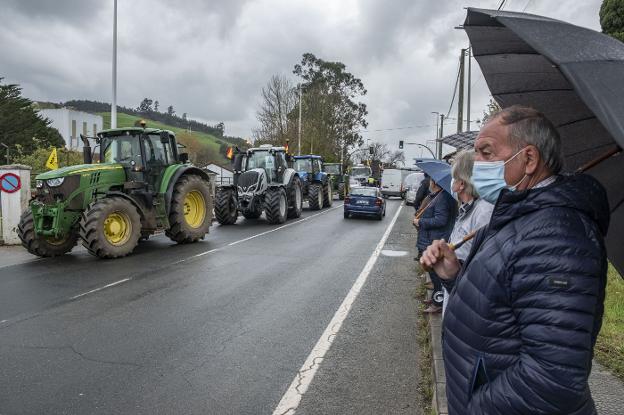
x=442 y=259
x=415 y=222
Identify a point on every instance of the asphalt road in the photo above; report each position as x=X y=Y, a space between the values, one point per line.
x=217 y=327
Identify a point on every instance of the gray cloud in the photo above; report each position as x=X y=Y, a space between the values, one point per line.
x=211 y=59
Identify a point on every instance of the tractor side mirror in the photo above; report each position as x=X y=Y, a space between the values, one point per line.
x=288 y=158
x=184 y=157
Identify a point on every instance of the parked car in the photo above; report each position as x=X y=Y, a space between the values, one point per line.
x=365 y=201
x=411 y=185
x=391 y=181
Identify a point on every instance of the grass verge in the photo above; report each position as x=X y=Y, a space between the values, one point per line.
x=425 y=383
x=609 y=350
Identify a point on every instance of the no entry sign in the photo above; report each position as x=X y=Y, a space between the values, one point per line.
x=10 y=183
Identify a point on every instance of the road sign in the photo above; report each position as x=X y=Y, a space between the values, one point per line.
x=10 y=183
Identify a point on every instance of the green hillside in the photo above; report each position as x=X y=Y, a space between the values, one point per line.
x=207 y=140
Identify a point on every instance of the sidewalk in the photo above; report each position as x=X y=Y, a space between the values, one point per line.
x=607 y=390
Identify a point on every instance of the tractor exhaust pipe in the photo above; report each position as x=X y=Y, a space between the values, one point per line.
x=86 y=150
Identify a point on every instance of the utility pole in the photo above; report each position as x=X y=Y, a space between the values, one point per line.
x=440 y=138
x=114 y=103
x=437 y=131
x=460 y=97
x=469 y=87
x=299 y=128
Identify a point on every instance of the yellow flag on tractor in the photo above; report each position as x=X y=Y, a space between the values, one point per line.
x=230 y=153
x=52 y=162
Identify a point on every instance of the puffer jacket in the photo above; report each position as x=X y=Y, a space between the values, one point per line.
x=437 y=220
x=523 y=316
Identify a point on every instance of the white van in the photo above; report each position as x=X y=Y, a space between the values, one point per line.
x=391 y=183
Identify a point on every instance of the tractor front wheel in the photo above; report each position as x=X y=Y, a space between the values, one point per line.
x=43 y=246
x=296 y=198
x=226 y=209
x=276 y=205
x=191 y=210
x=315 y=196
x=110 y=227
x=341 y=190
x=328 y=197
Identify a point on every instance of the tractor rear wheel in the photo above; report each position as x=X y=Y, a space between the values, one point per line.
x=315 y=196
x=110 y=227
x=226 y=209
x=296 y=198
x=190 y=210
x=43 y=246
x=341 y=189
x=276 y=205
x=328 y=197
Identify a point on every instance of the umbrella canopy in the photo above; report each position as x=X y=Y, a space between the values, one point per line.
x=575 y=76
x=439 y=171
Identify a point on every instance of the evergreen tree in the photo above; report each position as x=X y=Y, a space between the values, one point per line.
x=612 y=18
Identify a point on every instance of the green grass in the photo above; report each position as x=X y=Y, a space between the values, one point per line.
x=425 y=381
x=126 y=120
x=610 y=344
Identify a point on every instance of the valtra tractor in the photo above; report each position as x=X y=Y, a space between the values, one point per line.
x=140 y=186
x=316 y=184
x=263 y=182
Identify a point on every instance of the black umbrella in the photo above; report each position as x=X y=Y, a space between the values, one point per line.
x=575 y=76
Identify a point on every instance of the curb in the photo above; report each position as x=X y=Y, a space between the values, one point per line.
x=439 y=404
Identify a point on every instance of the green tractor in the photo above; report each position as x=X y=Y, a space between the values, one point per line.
x=334 y=170
x=140 y=186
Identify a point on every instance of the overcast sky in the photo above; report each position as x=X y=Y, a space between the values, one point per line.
x=211 y=58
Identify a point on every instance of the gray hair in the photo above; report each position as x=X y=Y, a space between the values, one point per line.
x=527 y=126
x=462 y=170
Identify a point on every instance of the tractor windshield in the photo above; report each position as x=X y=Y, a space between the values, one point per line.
x=260 y=160
x=121 y=149
x=332 y=169
x=303 y=165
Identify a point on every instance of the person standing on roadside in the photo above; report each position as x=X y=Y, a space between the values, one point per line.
x=474 y=212
x=527 y=306
x=436 y=222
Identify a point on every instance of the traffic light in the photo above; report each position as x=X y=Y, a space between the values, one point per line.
x=401 y=144
x=371 y=150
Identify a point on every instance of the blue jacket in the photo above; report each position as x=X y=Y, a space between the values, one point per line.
x=523 y=317
x=437 y=220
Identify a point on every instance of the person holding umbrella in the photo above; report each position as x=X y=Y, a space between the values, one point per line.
x=435 y=221
x=527 y=305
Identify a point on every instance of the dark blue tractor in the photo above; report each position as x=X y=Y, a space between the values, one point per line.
x=316 y=184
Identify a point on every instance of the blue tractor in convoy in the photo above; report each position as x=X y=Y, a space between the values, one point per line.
x=316 y=185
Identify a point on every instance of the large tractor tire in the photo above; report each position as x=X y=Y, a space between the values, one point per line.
x=328 y=195
x=296 y=198
x=191 y=210
x=43 y=246
x=341 y=191
x=226 y=206
x=110 y=227
x=276 y=205
x=315 y=196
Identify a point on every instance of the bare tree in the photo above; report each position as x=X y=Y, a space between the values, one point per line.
x=279 y=98
x=396 y=158
x=379 y=152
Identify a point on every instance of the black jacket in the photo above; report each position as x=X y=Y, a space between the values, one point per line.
x=437 y=220
x=523 y=317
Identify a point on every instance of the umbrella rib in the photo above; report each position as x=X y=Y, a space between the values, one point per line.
x=593 y=117
x=533 y=90
x=587 y=149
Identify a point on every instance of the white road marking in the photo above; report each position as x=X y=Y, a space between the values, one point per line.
x=101 y=288
x=292 y=398
x=390 y=252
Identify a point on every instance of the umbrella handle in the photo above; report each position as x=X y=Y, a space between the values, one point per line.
x=453 y=247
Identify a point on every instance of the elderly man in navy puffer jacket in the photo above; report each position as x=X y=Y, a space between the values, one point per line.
x=527 y=304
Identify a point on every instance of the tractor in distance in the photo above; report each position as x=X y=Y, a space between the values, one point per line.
x=140 y=185
x=263 y=182
x=315 y=183
x=334 y=170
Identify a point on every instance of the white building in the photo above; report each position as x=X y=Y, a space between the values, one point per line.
x=224 y=176
x=71 y=123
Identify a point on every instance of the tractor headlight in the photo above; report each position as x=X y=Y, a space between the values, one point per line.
x=39 y=184
x=55 y=182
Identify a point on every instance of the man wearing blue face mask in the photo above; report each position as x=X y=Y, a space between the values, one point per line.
x=527 y=303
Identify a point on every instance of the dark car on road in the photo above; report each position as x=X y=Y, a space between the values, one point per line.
x=366 y=201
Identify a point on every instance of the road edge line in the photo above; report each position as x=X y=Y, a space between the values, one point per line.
x=291 y=399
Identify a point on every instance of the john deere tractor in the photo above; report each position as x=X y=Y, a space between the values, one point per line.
x=334 y=170
x=262 y=182
x=316 y=184
x=140 y=186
